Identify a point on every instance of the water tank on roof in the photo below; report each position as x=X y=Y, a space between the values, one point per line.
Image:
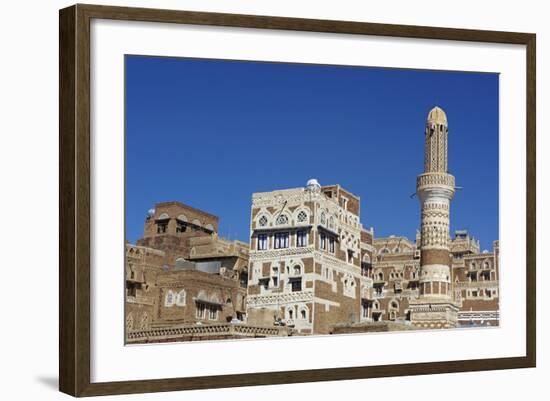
x=209 y=267
x=182 y=264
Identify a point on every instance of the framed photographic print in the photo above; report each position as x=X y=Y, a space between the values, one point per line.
x=250 y=200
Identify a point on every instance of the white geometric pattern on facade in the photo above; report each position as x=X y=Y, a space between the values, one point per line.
x=282 y=219
x=278 y=253
x=302 y=217
x=279 y=298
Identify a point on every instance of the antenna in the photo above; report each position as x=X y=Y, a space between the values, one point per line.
x=283 y=208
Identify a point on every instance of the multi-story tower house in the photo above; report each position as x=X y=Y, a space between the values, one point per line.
x=170 y=227
x=181 y=274
x=305 y=259
x=396 y=278
x=476 y=286
x=435 y=306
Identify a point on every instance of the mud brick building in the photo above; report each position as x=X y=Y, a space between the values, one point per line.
x=182 y=275
x=310 y=266
x=436 y=281
x=474 y=277
x=306 y=258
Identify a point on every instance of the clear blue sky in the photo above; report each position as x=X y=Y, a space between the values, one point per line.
x=209 y=133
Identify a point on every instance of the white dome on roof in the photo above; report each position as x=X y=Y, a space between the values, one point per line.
x=313 y=181
x=313 y=184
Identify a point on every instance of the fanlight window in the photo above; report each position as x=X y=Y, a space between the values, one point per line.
x=180 y=300
x=282 y=219
x=170 y=299
x=263 y=221
x=302 y=217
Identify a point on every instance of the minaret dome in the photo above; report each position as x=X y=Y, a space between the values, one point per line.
x=437 y=116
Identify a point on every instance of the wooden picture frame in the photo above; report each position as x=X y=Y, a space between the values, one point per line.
x=74 y=203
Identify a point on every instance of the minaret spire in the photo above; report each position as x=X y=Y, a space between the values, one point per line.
x=435 y=149
x=435 y=189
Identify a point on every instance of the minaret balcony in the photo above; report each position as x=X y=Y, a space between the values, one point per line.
x=435 y=180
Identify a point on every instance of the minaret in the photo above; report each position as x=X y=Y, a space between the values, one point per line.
x=435 y=188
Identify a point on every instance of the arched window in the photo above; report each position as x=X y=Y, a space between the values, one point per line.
x=348 y=285
x=380 y=276
x=262 y=221
x=180 y=299
x=304 y=312
x=323 y=218
x=394 y=305
x=302 y=217
x=296 y=270
x=282 y=219
x=170 y=298
x=181 y=223
x=162 y=223
x=331 y=223
x=290 y=314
